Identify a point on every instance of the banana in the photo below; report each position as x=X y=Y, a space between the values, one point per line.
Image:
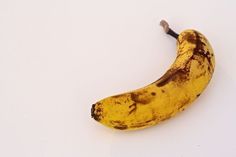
x=186 y=79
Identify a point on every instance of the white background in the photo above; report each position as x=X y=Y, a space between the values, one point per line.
x=58 y=57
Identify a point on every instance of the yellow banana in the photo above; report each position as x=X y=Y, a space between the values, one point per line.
x=187 y=77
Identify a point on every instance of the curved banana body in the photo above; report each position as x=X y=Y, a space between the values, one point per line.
x=187 y=77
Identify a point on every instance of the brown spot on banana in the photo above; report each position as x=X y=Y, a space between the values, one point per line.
x=153 y=93
x=201 y=74
x=141 y=98
x=117 y=102
x=118 y=124
x=121 y=127
x=133 y=108
x=173 y=75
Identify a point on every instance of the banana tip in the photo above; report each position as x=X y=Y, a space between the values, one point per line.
x=94 y=114
x=165 y=25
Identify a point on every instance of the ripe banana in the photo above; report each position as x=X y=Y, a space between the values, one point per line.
x=187 y=77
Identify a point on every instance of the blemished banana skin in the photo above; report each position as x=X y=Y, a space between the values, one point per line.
x=184 y=82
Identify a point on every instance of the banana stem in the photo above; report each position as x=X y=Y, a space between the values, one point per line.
x=168 y=30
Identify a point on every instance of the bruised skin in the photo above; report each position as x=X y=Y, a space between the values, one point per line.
x=183 y=73
x=173 y=92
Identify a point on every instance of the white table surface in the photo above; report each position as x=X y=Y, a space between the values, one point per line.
x=58 y=57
